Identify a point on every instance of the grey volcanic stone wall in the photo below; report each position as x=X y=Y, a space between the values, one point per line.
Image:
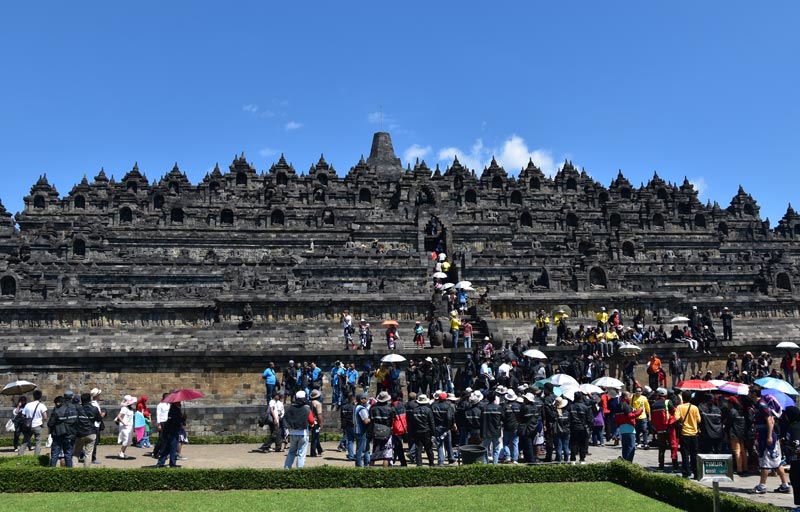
x=145 y=285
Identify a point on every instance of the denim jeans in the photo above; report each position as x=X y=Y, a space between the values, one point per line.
x=362 y=455
x=641 y=431
x=562 y=446
x=297 y=448
x=467 y=341
x=455 y=338
x=495 y=447
x=444 y=445
x=270 y=390
x=349 y=441
x=169 y=448
x=510 y=446
x=61 y=445
x=628 y=446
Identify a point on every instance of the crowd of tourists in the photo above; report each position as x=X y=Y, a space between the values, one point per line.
x=76 y=421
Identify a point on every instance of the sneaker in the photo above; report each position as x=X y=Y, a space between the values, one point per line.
x=784 y=489
x=121 y=455
x=181 y=457
x=97 y=462
x=759 y=489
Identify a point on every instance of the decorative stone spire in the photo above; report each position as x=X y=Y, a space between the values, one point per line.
x=381 y=156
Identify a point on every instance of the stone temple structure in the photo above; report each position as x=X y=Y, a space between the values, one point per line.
x=135 y=285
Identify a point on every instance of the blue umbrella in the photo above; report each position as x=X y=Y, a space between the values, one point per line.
x=782 y=398
x=779 y=384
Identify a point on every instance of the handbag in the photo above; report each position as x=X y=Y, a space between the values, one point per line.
x=381 y=432
x=10 y=426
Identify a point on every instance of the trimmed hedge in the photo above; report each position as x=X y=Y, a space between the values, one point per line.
x=678 y=492
x=111 y=438
x=670 y=489
x=325 y=477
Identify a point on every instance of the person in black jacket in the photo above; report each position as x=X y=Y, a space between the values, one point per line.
x=85 y=431
x=170 y=431
x=511 y=414
x=422 y=428
x=491 y=428
x=443 y=420
x=472 y=418
x=62 y=426
x=581 y=419
x=735 y=423
x=530 y=416
x=548 y=420
x=710 y=439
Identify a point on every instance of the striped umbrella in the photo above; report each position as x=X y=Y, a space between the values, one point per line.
x=734 y=388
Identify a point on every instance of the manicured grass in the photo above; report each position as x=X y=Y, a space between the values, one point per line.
x=572 y=497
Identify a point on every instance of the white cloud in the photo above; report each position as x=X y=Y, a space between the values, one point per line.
x=414 y=152
x=265 y=152
x=700 y=186
x=293 y=125
x=250 y=107
x=513 y=155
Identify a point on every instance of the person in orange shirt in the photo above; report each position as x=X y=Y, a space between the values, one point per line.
x=653 y=367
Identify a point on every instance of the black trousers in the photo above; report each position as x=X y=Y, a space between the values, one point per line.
x=423 y=442
x=399 y=452
x=794 y=476
x=548 y=443
x=579 y=444
x=529 y=451
x=688 y=454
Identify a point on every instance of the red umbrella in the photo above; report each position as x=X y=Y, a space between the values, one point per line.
x=696 y=385
x=183 y=395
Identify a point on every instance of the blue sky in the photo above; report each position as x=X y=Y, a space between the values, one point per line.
x=706 y=90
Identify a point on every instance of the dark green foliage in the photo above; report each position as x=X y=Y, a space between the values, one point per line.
x=666 y=488
x=677 y=491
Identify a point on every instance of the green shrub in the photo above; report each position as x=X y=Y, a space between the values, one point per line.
x=678 y=492
x=26 y=461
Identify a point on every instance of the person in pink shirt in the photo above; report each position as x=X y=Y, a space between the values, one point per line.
x=467 y=335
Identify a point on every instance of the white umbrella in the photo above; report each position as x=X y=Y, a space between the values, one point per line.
x=18 y=387
x=630 y=349
x=393 y=358
x=591 y=388
x=440 y=275
x=463 y=284
x=562 y=379
x=468 y=289
x=534 y=354
x=679 y=319
x=568 y=391
x=608 y=382
x=447 y=286
x=788 y=344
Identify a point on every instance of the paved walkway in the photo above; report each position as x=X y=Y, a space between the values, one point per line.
x=244 y=456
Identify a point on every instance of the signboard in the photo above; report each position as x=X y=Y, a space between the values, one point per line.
x=714 y=468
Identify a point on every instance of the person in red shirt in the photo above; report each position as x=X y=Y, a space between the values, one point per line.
x=626 y=421
x=787 y=367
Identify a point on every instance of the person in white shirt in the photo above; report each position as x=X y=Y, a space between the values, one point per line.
x=95 y=393
x=35 y=415
x=162 y=412
x=276 y=411
x=125 y=421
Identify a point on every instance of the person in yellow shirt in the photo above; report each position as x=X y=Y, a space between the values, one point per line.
x=602 y=319
x=540 y=328
x=639 y=401
x=688 y=417
x=455 y=325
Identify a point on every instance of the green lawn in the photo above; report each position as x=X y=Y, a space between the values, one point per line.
x=571 y=497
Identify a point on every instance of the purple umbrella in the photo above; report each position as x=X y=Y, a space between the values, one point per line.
x=782 y=398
